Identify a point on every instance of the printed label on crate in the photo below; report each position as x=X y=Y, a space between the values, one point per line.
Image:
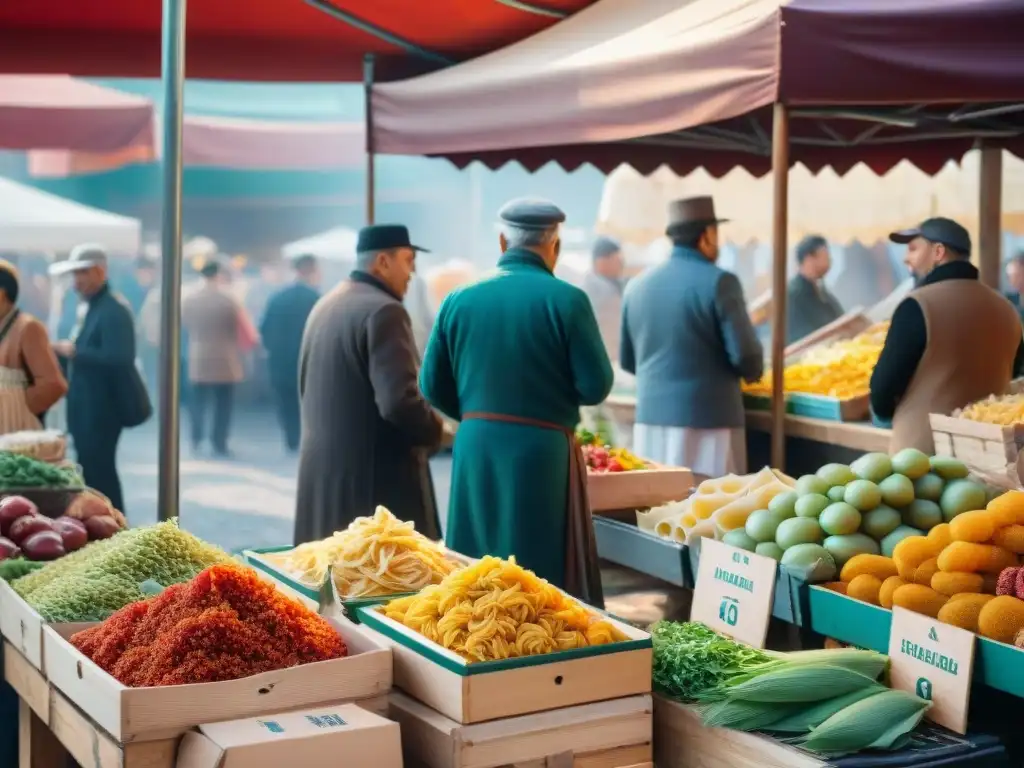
x=734 y=591
x=934 y=661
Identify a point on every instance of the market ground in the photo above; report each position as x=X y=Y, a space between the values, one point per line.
x=249 y=501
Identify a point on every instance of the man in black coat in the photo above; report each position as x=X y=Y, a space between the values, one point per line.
x=367 y=430
x=100 y=361
x=281 y=331
x=809 y=304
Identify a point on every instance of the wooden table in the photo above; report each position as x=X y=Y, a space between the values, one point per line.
x=52 y=731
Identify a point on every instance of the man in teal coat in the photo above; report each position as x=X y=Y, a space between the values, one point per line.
x=513 y=357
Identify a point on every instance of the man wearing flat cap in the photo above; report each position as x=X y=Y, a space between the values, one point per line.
x=513 y=357
x=951 y=341
x=687 y=337
x=105 y=390
x=366 y=429
x=603 y=286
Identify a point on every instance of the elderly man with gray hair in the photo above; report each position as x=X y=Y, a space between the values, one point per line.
x=513 y=357
x=366 y=429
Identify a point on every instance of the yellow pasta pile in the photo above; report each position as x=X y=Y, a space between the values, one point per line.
x=379 y=555
x=495 y=609
x=1004 y=410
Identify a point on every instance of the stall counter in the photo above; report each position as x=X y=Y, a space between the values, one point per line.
x=810 y=442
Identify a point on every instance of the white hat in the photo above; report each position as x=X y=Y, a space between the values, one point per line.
x=83 y=256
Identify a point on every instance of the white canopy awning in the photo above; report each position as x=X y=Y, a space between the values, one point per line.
x=338 y=244
x=33 y=220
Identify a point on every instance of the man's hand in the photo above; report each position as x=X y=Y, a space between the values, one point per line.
x=64 y=348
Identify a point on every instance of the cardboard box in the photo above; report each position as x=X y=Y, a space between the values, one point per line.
x=489 y=690
x=339 y=735
x=148 y=714
x=607 y=734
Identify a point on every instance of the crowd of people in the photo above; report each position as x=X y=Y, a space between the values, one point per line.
x=515 y=355
x=364 y=389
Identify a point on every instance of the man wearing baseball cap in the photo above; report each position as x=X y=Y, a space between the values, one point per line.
x=951 y=341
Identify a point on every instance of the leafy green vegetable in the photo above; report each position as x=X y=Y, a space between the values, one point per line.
x=16 y=567
x=19 y=471
x=691 y=660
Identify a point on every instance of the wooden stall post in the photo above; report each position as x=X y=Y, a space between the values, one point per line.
x=990 y=210
x=371 y=169
x=780 y=223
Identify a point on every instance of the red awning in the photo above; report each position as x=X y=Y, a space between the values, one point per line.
x=275 y=40
x=60 y=112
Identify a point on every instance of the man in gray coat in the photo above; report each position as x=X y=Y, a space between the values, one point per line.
x=366 y=429
x=687 y=337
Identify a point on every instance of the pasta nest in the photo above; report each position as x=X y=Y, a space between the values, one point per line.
x=374 y=556
x=496 y=609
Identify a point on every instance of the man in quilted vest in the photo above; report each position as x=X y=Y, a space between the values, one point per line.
x=952 y=340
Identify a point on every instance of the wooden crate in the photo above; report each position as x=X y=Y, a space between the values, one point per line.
x=607 y=734
x=474 y=693
x=150 y=714
x=21 y=625
x=639 y=489
x=51 y=728
x=847 y=326
x=854 y=409
x=682 y=741
x=990 y=451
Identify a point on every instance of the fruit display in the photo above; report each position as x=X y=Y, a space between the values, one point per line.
x=18 y=471
x=868 y=507
x=24 y=532
x=224 y=624
x=496 y=609
x=379 y=555
x=964 y=572
x=827 y=701
x=106 y=575
x=719 y=508
x=840 y=369
x=601 y=457
x=1004 y=410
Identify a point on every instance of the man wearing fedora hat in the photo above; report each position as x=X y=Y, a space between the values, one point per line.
x=366 y=429
x=513 y=356
x=688 y=338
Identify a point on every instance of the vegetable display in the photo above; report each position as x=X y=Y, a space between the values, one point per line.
x=106 y=575
x=601 y=457
x=1004 y=410
x=224 y=624
x=965 y=572
x=24 y=531
x=18 y=471
x=842 y=511
x=379 y=555
x=15 y=567
x=841 y=369
x=495 y=609
x=718 y=509
x=826 y=701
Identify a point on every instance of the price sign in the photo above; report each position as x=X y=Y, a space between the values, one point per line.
x=734 y=592
x=934 y=661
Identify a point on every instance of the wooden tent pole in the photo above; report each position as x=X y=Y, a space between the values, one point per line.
x=990 y=209
x=780 y=224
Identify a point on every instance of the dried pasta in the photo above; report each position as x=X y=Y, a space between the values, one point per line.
x=496 y=609
x=374 y=556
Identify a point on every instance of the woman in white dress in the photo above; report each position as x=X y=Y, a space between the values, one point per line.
x=31 y=381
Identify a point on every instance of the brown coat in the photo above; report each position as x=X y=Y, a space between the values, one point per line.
x=212 y=318
x=27 y=347
x=972 y=337
x=366 y=429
